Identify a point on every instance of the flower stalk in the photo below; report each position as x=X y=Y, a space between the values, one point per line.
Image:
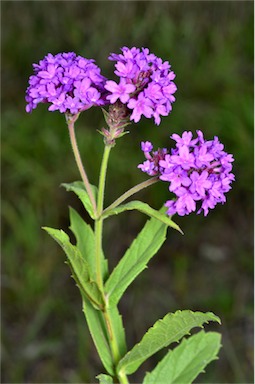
x=137 y=188
x=70 y=122
x=99 y=220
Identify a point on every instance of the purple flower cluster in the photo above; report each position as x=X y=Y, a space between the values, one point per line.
x=198 y=171
x=70 y=83
x=146 y=83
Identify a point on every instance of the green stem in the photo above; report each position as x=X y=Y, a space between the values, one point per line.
x=99 y=220
x=98 y=256
x=101 y=186
x=78 y=160
x=98 y=251
x=123 y=378
x=131 y=192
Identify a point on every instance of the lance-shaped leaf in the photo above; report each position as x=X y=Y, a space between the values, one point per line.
x=98 y=327
x=79 y=267
x=135 y=259
x=187 y=360
x=144 y=208
x=86 y=243
x=118 y=329
x=79 y=189
x=164 y=332
x=98 y=331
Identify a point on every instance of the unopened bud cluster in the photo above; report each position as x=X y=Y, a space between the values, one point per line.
x=117 y=118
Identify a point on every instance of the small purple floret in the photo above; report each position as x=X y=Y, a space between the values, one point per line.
x=151 y=165
x=146 y=146
x=120 y=91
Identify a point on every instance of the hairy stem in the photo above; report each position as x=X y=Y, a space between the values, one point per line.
x=80 y=166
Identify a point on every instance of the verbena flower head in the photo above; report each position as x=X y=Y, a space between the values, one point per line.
x=199 y=172
x=70 y=83
x=146 y=83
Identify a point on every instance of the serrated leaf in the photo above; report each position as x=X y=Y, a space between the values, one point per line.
x=183 y=364
x=104 y=379
x=135 y=259
x=79 y=266
x=164 y=332
x=144 y=208
x=79 y=189
x=86 y=243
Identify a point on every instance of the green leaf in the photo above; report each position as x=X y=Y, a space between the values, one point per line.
x=144 y=208
x=187 y=360
x=79 y=267
x=86 y=243
x=118 y=329
x=135 y=259
x=164 y=332
x=104 y=379
x=79 y=189
x=85 y=240
x=98 y=331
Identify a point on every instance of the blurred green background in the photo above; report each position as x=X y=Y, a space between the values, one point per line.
x=210 y=47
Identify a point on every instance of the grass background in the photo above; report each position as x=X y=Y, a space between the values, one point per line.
x=210 y=47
